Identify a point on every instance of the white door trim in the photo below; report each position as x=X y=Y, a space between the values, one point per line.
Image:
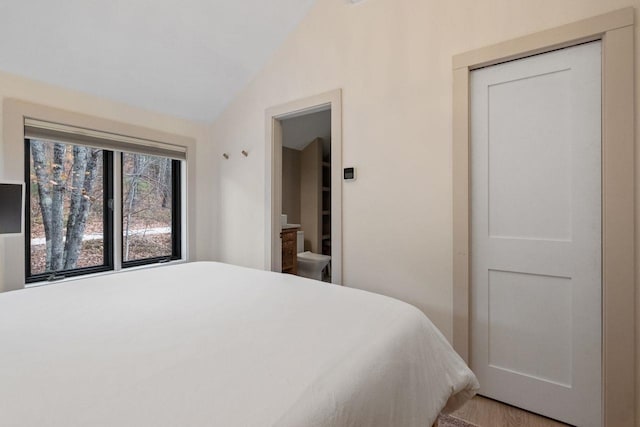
x=617 y=32
x=273 y=176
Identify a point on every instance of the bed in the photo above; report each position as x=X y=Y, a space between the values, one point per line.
x=210 y=344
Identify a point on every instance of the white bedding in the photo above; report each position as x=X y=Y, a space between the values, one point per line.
x=209 y=344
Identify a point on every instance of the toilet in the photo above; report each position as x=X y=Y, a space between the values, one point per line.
x=310 y=265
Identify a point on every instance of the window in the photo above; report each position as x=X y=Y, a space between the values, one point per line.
x=67 y=216
x=150 y=208
x=70 y=205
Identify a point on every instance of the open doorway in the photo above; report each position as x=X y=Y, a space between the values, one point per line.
x=304 y=191
x=306 y=195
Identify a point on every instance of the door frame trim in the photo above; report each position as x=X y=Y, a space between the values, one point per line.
x=273 y=175
x=616 y=30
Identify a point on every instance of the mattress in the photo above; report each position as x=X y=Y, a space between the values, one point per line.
x=209 y=344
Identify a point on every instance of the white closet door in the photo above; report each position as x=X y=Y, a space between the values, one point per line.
x=536 y=277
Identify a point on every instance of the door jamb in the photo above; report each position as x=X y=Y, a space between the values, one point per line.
x=273 y=176
x=616 y=30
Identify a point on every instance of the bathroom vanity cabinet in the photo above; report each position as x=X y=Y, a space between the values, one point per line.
x=289 y=250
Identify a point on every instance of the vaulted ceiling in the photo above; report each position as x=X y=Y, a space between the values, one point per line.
x=186 y=58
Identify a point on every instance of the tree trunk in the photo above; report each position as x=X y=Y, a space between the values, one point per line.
x=44 y=195
x=51 y=198
x=85 y=162
x=138 y=169
x=165 y=183
x=57 y=207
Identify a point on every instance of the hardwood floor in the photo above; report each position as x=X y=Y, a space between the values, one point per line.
x=490 y=413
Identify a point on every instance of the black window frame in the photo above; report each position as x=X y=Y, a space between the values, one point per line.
x=107 y=177
x=176 y=219
x=109 y=246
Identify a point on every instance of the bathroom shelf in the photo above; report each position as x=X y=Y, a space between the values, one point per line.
x=325 y=242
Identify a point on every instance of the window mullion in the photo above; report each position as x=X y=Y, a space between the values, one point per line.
x=117 y=210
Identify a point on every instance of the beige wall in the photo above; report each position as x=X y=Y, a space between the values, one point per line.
x=392 y=58
x=291 y=184
x=27 y=90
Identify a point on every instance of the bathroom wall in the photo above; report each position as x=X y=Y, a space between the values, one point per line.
x=311 y=195
x=291 y=184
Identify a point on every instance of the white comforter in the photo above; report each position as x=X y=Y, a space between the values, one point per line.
x=209 y=344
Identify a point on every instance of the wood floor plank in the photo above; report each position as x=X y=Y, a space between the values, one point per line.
x=490 y=413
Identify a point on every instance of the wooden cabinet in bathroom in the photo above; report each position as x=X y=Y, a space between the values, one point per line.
x=289 y=250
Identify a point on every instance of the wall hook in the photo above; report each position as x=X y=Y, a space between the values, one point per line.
x=225 y=155
x=245 y=153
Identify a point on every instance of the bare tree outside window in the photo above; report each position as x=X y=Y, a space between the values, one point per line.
x=71 y=231
x=146 y=206
x=66 y=207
